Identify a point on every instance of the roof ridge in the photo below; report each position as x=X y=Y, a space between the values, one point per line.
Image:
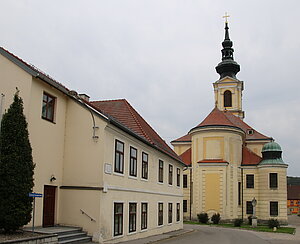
x=130 y=108
x=109 y=100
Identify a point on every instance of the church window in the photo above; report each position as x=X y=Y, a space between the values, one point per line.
x=273 y=180
x=185 y=181
x=239 y=193
x=249 y=207
x=250 y=181
x=184 y=206
x=274 y=208
x=227 y=99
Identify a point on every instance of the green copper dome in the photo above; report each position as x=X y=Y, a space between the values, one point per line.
x=271 y=152
x=271 y=147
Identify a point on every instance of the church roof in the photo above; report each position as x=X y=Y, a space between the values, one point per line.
x=121 y=111
x=250 y=158
x=186 y=157
x=226 y=118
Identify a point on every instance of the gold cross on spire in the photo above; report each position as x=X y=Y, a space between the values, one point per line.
x=226 y=16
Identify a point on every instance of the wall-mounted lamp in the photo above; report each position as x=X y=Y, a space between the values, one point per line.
x=52 y=178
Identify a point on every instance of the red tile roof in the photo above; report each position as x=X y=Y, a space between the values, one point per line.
x=186 y=157
x=293 y=192
x=226 y=118
x=216 y=117
x=249 y=157
x=213 y=161
x=185 y=138
x=125 y=114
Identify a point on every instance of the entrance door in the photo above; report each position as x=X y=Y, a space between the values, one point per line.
x=49 y=206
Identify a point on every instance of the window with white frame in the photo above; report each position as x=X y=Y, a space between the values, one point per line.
x=119 y=157
x=133 y=162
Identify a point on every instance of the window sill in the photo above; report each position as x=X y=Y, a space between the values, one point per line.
x=160 y=226
x=118 y=174
x=143 y=230
x=160 y=183
x=51 y=121
x=144 y=179
x=132 y=177
x=131 y=233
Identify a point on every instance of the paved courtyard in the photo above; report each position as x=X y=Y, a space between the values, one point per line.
x=200 y=234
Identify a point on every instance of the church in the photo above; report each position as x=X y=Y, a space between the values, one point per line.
x=229 y=163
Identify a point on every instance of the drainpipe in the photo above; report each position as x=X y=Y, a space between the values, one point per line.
x=1 y=107
x=242 y=195
x=191 y=192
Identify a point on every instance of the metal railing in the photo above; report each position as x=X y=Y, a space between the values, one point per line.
x=91 y=218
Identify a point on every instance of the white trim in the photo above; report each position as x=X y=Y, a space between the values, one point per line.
x=113 y=219
x=137 y=160
x=147 y=224
x=136 y=221
x=117 y=188
x=159 y=226
x=114 y=154
x=172 y=214
x=148 y=171
x=160 y=183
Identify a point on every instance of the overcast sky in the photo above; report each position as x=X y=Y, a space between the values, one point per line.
x=161 y=55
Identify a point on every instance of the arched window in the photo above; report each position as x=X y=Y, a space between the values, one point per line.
x=227 y=99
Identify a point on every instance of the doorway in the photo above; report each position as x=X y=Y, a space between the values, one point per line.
x=49 y=206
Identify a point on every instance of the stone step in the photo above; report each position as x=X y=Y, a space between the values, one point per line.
x=77 y=240
x=69 y=236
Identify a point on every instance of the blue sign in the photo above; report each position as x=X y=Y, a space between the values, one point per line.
x=33 y=194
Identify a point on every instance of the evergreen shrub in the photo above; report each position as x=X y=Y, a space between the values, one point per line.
x=203 y=218
x=273 y=223
x=216 y=218
x=16 y=169
x=237 y=222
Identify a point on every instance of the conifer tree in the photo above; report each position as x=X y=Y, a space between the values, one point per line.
x=16 y=168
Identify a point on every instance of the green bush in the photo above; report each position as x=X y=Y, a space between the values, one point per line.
x=250 y=220
x=273 y=223
x=203 y=218
x=216 y=218
x=237 y=222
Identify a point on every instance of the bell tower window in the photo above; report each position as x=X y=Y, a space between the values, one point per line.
x=227 y=98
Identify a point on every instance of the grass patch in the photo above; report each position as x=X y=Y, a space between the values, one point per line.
x=263 y=228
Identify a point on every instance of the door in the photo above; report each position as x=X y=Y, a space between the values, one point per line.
x=49 y=206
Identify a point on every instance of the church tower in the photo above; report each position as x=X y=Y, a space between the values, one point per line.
x=228 y=89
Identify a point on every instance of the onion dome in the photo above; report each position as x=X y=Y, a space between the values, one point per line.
x=271 y=152
x=228 y=67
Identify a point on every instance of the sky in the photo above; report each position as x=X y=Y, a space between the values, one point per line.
x=161 y=55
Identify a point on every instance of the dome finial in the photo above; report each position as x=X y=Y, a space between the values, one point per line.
x=226 y=16
x=228 y=67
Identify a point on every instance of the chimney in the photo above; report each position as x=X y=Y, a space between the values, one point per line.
x=84 y=97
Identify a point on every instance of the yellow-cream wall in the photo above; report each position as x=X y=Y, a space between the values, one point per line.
x=235 y=87
x=180 y=148
x=266 y=194
x=222 y=197
x=45 y=137
x=186 y=192
x=125 y=188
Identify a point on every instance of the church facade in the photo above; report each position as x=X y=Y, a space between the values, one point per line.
x=229 y=163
